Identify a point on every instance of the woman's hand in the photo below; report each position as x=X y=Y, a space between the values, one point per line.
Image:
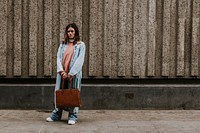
x=69 y=77
x=64 y=75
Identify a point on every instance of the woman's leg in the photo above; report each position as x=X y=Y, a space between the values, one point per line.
x=56 y=114
x=73 y=115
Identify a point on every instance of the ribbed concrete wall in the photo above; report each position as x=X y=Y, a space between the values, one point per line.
x=124 y=38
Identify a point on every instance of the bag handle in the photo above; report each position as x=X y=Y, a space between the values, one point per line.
x=63 y=83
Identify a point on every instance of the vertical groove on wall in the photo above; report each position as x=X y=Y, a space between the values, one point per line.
x=188 y=40
x=40 y=41
x=107 y=37
x=79 y=17
x=3 y=37
x=136 y=38
x=63 y=18
x=17 y=37
x=33 y=30
x=166 y=38
x=129 y=38
x=48 y=33
x=25 y=38
x=93 y=37
x=173 y=39
x=55 y=35
x=85 y=34
x=159 y=33
x=100 y=39
x=71 y=13
x=195 y=38
x=151 y=38
x=10 y=38
x=181 y=38
x=78 y=14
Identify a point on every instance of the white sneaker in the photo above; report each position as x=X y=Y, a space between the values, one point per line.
x=71 y=122
x=49 y=119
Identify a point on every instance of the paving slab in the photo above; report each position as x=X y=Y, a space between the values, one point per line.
x=103 y=121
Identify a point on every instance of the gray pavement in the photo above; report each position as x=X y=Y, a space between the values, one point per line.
x=103 y=121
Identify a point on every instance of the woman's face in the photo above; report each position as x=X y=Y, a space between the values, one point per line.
x=71 y=33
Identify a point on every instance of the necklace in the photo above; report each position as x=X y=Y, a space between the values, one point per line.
x=71 y=40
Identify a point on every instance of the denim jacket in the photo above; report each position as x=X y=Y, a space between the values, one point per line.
x=76 y=64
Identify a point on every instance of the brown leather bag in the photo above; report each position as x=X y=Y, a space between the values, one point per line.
x=67 y=97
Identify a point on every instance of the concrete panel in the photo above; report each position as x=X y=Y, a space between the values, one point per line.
x=48 y=34
x=166 y=38
x=151 y=38
x=136 y=38
x=93 y=37
x=17 y=37
x=3 y=36
x=107 y=45
x=33 y=36
x=122 y=39
x=195 y=39
x=181 y=38
x=100 y=37
x=78 y=9
x=180 y=47
x=100 y=96
x=63 y=18
x=140 y=38
x=26 y=97
x=158 y=41
x=71 y=12
x=143 y=38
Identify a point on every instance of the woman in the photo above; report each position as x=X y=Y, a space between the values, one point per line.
x=70 y=58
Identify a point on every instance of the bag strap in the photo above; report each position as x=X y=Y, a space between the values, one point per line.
x=70 y=83
x=63 y=84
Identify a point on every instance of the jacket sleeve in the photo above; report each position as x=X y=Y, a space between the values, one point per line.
x=77 y=66
x=59 y=59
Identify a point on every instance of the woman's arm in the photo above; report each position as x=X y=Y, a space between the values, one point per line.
x=59 y=59
x=79 y=61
